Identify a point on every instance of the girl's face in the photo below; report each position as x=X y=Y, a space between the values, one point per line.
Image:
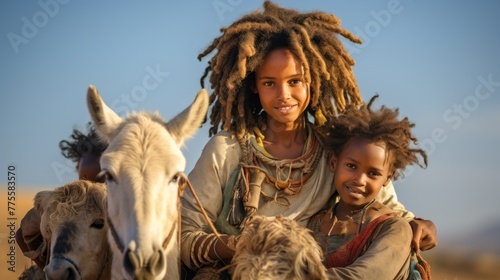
x=361 y=170
x=283 y=92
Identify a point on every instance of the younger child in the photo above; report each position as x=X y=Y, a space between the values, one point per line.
x=85 y=151
x=362 y=238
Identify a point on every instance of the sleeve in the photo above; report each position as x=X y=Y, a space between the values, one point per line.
x=30 y=239
x=30 y=225
x=388 y=197
x=208 y=178
x=387 y=257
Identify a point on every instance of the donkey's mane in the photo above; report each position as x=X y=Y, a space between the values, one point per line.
x=73 y=198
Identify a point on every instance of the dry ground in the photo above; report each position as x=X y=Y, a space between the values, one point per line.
x=450 y=264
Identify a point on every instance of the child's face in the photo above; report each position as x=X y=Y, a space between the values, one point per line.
x=361 y=170
x=282 y=90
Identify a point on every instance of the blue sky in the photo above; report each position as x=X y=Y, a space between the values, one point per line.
x=438 y=62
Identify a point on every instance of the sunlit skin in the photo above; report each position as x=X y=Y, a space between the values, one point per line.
x=284 y=96
x=361 y=170
x=89 y=167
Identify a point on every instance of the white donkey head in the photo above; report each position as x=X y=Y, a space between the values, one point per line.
x=143 y=164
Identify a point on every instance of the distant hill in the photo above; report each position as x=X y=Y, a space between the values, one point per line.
x=484 y=240
x=468 y=257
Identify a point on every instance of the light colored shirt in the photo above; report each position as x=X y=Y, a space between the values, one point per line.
x=220 y=157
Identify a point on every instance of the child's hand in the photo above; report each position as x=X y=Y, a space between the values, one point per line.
x=424 y=234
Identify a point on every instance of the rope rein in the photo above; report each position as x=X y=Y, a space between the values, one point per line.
x=185 y=181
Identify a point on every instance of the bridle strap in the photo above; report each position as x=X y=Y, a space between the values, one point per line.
x=106 y=262
x=116 y=238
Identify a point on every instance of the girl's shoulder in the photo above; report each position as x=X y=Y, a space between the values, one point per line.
x=224 y=135
x=222 y=139
x=222 y=149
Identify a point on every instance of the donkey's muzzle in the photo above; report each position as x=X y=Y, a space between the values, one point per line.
x=61 y=268
x=140 y=268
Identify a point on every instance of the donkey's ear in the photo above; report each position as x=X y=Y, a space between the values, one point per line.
x=41 y=200
x=186 y=123
x=106 y=121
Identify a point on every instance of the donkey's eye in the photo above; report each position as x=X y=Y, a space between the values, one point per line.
x=98 y=224
x=175 y=178
x=105 y=175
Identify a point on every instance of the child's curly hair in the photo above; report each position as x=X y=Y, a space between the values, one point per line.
x=242 y=47
x=82 y=145
x=380 y=125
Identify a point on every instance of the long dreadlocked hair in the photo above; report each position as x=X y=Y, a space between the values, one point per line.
x=242 y=47
x=380 y=125
x=82 y=145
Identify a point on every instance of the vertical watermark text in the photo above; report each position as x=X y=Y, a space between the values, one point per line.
x=11 y=220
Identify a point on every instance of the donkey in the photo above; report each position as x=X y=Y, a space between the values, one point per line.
x=144 y=167
x=277 y=249
x=73 y=226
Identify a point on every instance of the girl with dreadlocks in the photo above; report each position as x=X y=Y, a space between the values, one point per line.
x=273 y=72
x=361 y=237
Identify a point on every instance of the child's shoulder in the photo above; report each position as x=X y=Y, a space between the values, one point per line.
x=380 y=211
x=377 y=209
x=386 y=216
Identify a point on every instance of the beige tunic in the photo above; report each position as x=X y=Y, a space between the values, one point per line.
x=220 y=157
x=388 y=256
